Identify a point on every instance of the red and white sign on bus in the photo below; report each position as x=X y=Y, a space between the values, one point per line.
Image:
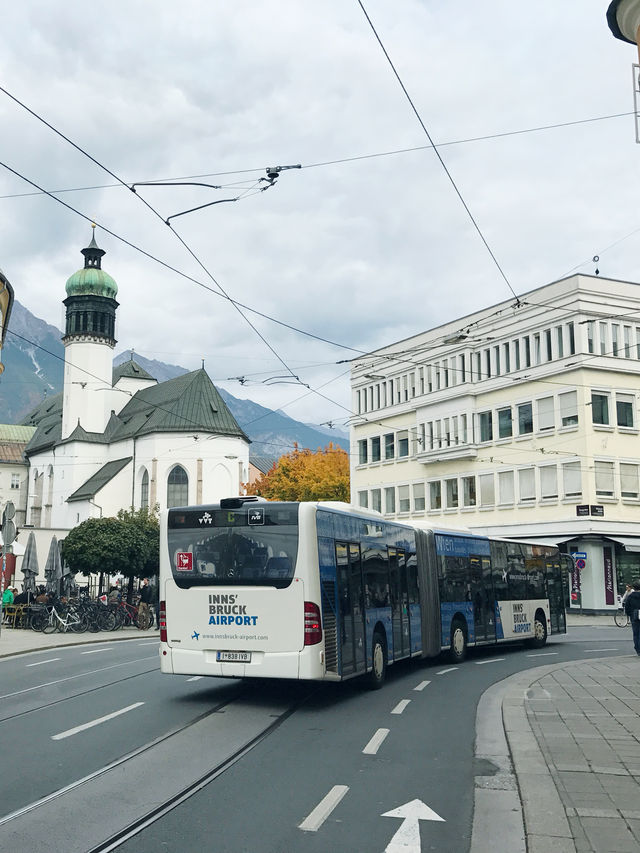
x=184 y=561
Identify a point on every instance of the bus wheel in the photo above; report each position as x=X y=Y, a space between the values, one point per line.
x=539 y=638
x=379 y=661
x=458 y=650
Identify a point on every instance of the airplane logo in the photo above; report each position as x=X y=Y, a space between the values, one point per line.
x=195 y=636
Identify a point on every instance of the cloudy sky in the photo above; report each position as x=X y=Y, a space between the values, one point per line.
x=361 y=253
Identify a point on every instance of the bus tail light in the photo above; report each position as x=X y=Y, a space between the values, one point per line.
x=162 y=613
x=312 y=624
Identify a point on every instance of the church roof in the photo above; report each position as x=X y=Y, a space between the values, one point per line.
x=90 y=488
x=188 y=403
x=130 y=370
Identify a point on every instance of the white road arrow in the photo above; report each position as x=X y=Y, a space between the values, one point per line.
x=407 y=838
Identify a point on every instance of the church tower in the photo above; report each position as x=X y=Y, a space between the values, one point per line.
x=89 y=341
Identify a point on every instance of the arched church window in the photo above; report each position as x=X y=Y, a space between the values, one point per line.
x=144 y=490
x=177 y=487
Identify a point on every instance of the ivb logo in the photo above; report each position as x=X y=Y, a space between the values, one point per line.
x=256 y=515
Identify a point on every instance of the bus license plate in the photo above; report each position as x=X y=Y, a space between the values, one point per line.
x=234 y=657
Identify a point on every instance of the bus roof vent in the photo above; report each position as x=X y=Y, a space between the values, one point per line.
x=236 y=503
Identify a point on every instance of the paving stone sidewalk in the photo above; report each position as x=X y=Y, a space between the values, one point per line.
x=15 y=641
x=574 y=737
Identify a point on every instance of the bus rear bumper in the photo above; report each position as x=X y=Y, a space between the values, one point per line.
x=263 y=664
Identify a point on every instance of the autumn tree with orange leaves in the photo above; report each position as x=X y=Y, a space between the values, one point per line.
x=306 y=475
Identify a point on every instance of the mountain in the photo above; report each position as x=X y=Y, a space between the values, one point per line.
x=33 y=357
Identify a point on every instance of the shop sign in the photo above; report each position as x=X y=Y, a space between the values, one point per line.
x=609 y=594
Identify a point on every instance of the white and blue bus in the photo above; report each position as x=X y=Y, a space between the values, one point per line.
x=329 y=591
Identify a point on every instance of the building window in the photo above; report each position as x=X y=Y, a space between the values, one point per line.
x=478 y=367
x=516 y=354
x=572 y=480
x=177 y=487
x=546 y=419
x=505 y=429
x=569 y=408
x=527 y=484
x=15 y=481
x=375 y=449
x=525 y=418
x=144 y=490
x=604 y=479
x=403 y=444
x=536 y=349
x=390 y=499
x=463 y=429
x=560 y=338
x=572 y=338
x=389 y=446
x=487 y=489
x=547 y=344
x=548 y=482
x=505 y=486
x=527 y=351
x=362 y=452
x=591 y=331
x=496 y=359
x=487 y=362
x=629 y=480
x=627 y=341
x=452 y=493
x=600 y=408
x=603 y=338
x=418 y=497
x=435 y=495
x=624 y=410
x=376 y=500
x=403 y=499
x=468 y=491
x=486 y=426
x=507 y=358
x=461 y=369
x=363 y=499
x=615 y=343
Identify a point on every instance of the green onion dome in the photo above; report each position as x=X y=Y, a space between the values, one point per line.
x=92 y=280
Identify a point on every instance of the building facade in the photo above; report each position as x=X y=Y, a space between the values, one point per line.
x=520 y=420
x=116 y=438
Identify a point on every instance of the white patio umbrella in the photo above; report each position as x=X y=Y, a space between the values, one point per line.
x=53 y=568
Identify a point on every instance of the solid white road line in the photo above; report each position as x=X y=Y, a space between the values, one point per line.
x=491 y=660
x=376 y=742
x=96 y=651
x=151 y=643
x=40 y=662
x=317 y=817
x=92 y=723
x=542 y=654
x=602 y=650
x=401 y=706
x=422 y=685
x=195 y=678
x=445 y=671
x=72 y=677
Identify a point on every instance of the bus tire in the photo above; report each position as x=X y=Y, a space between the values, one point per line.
x=539 y=638
x=458 y=649
x=378 y=661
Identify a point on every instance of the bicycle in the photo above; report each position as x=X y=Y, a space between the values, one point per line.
x=74 y=621
x=621 y=618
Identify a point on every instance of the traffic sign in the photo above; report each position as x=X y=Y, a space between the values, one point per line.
x=580 y=563
x=9 y=512
x=579 y=555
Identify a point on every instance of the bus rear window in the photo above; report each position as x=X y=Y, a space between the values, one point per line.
x=253 y=545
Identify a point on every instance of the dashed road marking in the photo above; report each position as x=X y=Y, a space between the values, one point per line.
x=490 y=660
x=602 y=650
x=195 y=678
x=317 y=817
x=76 y=729
x=96 y=651
x=422 y=685
x=40 y=662
x=542 y=654
x=376 y=742
x=445 y=671
x=401 y=706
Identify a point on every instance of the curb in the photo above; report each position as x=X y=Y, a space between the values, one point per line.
x=76 y=642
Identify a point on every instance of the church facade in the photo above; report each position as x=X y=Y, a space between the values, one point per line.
x=115 y=438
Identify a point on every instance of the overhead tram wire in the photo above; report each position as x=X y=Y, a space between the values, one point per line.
x=436 y=152
x=175 y=270
x=353 y=159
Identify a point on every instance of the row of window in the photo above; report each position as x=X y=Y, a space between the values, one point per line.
x=497 y=360
x=545 y=483
x=177 y=488
x=617 y=339
x=542 y=415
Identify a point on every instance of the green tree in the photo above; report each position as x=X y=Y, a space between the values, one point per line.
x=127 y=545
x=305 y=475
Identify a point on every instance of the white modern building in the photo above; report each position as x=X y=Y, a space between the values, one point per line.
x=116 y=438
x=520 y=420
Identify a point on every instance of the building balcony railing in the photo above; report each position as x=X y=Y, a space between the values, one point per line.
x=447 y=454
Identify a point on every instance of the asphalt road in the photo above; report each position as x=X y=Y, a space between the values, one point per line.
x=67 y=713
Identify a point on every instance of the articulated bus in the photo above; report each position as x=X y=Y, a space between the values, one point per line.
x=251 y=588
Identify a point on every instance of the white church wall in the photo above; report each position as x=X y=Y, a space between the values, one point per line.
x=87 y=386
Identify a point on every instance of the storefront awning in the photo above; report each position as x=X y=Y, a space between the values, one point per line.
x=630 y=544
x=552 y=540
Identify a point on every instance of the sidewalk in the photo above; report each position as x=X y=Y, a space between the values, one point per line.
x=573 y=733
x=15 y=641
